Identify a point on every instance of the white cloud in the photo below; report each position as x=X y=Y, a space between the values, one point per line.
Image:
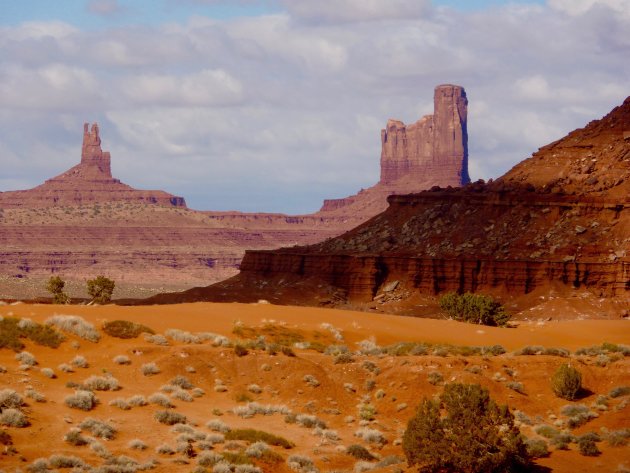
x=104 y=7
x=580 y=7
x=350 y=11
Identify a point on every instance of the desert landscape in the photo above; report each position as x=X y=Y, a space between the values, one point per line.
x=331 y=390
x=466 y=311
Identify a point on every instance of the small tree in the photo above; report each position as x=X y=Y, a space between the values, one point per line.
x=101 y=289
x=474 y=308
x=55 y=286
x=566 y=382
x=463 y=431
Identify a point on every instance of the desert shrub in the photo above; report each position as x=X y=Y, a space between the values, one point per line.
x=536 y=448
x=137 y=444
x=619 y=391
x=48 y=372
x=370 y=435
x=100 y=289
x=566 y=382
x=256 y=449
x=209 y=458
x=310 y=421
x=149 y=369
x=182 y=395
x=169 y=417
x=34 y=395
x=63 y=461
x=252 y=435
x=84 y=400
x=120 y=403
x=75 y=325
x=125 y=329
x=26 y=358
x=5 y=438
x=240 y=350
x=121 y=360
x=452 y=433
x=474 y=308
x=578 y=414
x=604 y=348
x=287 y=351
x=254 y=388
x=65 y=367
x=360 y=452
x=618 y=438
x=74 y=437
x=301 y=464
x=515 y=386
x=137 y=400
x=181 y=381
x=343 y=358
x=435 y=378
x=98 y=428
x=588 y=447
x=160 y=399
x=9 y=398
x=367 y=411
x=156 y=339
x=165 y=449
x=217 y=425
x=546 y=431
x=13 y=418
x=80 y=362
x=101 y=383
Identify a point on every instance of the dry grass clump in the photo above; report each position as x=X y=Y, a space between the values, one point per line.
x=541 y=350
x=34 y=395
x=578 y=414
x=10 y=399
x=65 y=367
x=13 y=418
x=217 y=425
x=169 y=417
x=360 y=452
x=75 y=325
x=435 y=378
x=122 y=360
x=301 y=464
x=98 y=428
x=156 y=339
x=209 y=458
x=311 y=380
x=253 y=408
x=160 y=399
x=165 y=449
x=79 y=361
x=101 y=383
x=48 y=372
x=26 y=358
x=125 y=329
x=149 y=369
x=370 y=435
x=83 y=400
x=74 y=437
x=137 y=444
x=252 y=435
x=181 y=381
x=516 y=386
x=619 y=391
x=182 y=336
x=604 y=348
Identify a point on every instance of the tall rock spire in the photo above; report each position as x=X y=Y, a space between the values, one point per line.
x=91 y=153
x=435 y=147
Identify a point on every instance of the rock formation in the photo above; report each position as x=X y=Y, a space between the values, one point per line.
x=89 y=182
x=560 y=219
x=84 y=222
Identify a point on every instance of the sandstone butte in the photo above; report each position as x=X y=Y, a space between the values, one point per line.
x=556 y=225
x=84 y=222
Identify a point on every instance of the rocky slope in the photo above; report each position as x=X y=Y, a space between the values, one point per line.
x=84 y=222
x=560 y=220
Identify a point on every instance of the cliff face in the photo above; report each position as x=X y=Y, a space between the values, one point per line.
x=560 y=219
x=89 y=182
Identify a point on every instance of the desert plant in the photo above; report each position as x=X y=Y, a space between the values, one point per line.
x=359 y=452
x=435 y=378
x=474 y=308
x=149 y=369
x=9 y=398
x=181 y=381
x=80 y=362
x=137 y=444
x=566 y=382
x=619 y=391
x=515 y=386
x=217 y=425
x=311 y=380
x=251 y=435
x=34 y=395
x=301 y=464
x=160 y=399
x=453 y=433
x=101 y=383
x=370 y=435
x=75 y=325
x=125 y=329
x=588 y=447
x=26 y=358
x=75 y=438
x=55 y=286
x=169 y=417
x=83 y=400
x=343 y=358
x=121 y=360
x=240 y=350
x=13 y=418
x=536 y=448
x=65 y=367
x=100 y=289
x=98 y=428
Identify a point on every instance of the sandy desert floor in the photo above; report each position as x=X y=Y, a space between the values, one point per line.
x=313 y=399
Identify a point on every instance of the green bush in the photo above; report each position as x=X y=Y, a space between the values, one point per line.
x=55 y=286
x=566 y=382
x=588 y=447
x=536 y=448
x=125 y=329
x=463 y=431
x=252 y=435
x=170 y=417
x=100 y=289
x=360 y=452
x=12 y=330
x=474 y=308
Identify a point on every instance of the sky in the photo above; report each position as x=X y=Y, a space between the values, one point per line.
x=275 y=105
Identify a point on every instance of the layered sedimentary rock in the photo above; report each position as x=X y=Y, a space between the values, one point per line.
x=87 y=183
x=560 y=219
x=84 y=222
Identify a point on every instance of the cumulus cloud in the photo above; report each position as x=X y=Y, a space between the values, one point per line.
x=104 y=7
x=276 y=112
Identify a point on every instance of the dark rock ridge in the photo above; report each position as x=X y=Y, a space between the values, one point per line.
x=87 y=183
x=560 y=219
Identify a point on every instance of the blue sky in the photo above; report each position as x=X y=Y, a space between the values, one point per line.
x=234 y=109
